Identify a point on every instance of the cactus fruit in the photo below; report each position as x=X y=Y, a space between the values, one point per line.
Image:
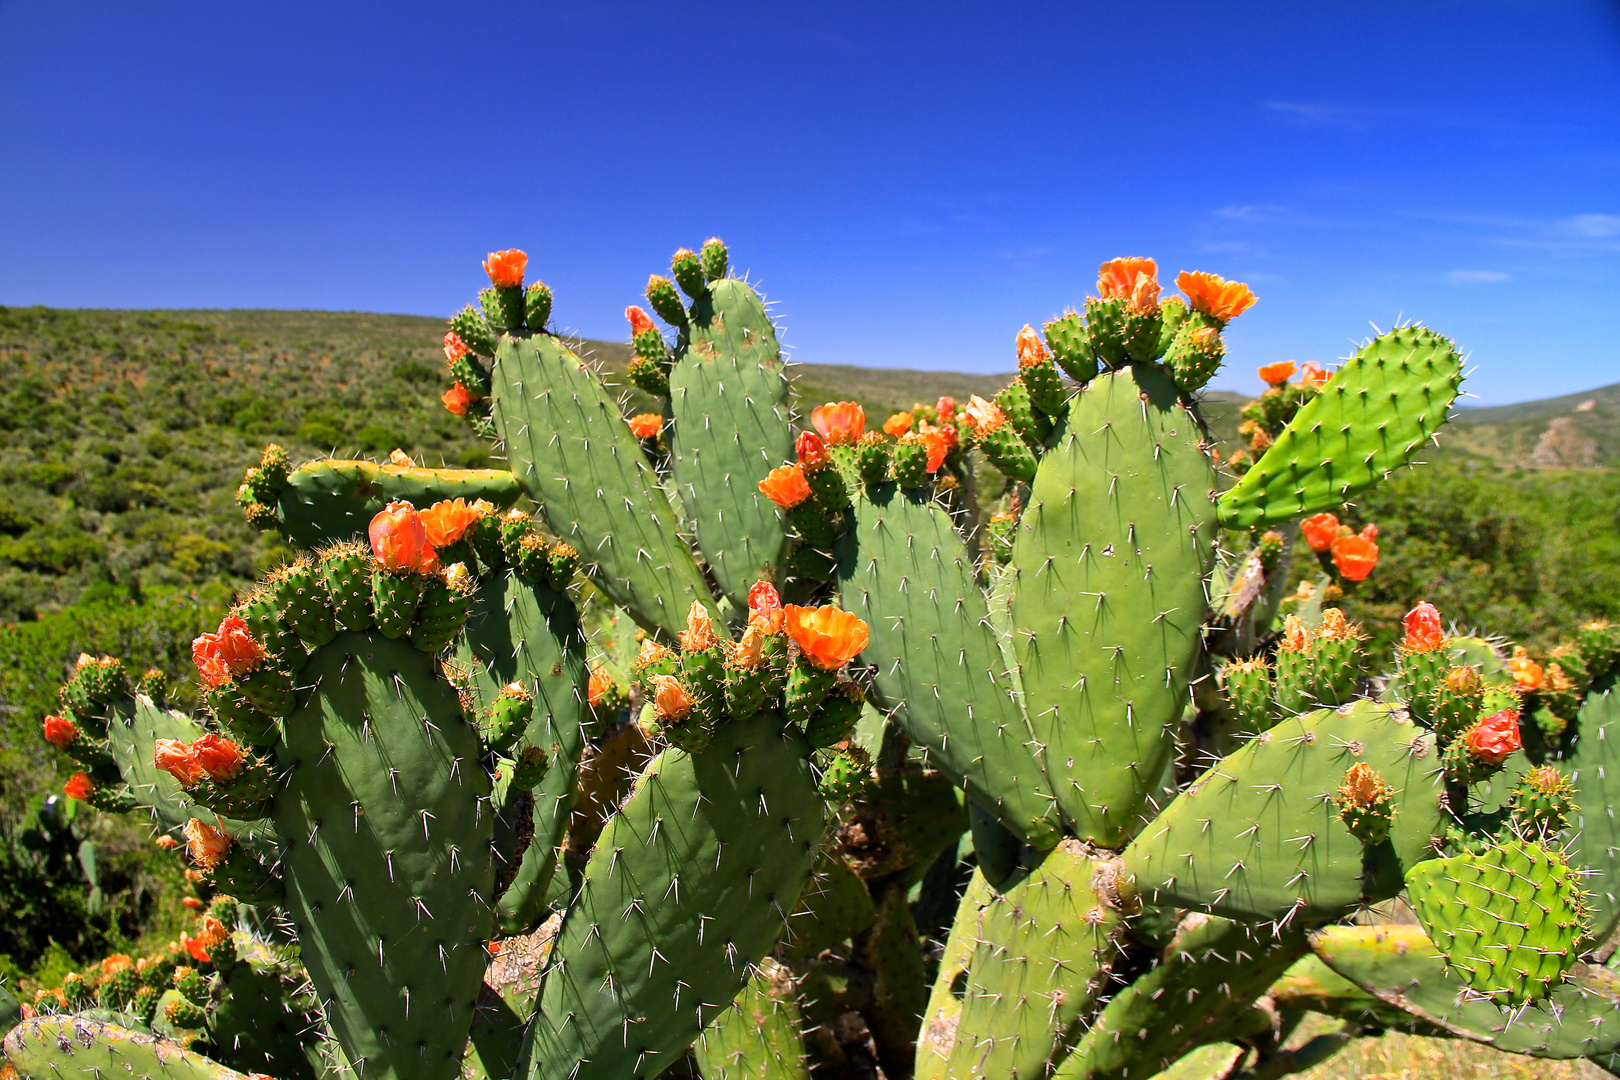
x=1365 y=804
x=1506 y=920
x=1543 y=803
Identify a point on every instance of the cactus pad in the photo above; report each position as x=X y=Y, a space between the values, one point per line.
x=336 y=499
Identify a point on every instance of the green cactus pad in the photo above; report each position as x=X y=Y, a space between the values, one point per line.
x=568 y=444
x=729 y=396
x=940 y=668
x=1259 y=835
x=387 y=863
x=133 y=728
x=1111 y=556
x=758 y=1037
x=1506 y=920
x=1196 y=993
x=1040 y=950
x=336 y=499
x=1372 y=416
x=59 y=1047
x=1400 y=966
x=264 y=1021
x=944 y=1010
x=1593 y=764
x=687 y=887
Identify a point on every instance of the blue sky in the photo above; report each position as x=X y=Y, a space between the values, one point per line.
x=910 y=183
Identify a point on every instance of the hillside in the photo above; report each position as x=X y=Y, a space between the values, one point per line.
x=1575 y=431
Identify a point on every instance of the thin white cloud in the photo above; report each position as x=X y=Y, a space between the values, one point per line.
x=1477 y=277
x=1594 y=225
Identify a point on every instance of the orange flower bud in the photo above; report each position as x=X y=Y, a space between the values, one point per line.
x=458 y=399
x=600 y=683
x=786 y=486
x=1031 y=349
x=1119 y=277
x=839 y=422
x=699 y=632
x=646 y=425
x=1278 y=373
x=399 y=540
x=1214 y=296
x=175 y=758
x=811 y=449
x=454 y=347
x=1145 y=295
x=190 y=901
x=1495 y=738
x=228 y=651
x=946 y=408
x=765 y=607
x=1354 y=557
x=447 y=521
x=1527 y=674
x=640 y=321
x=219 y=757
x=671 y=700
x=193 y=948
x=827 y=635
x=205 y=844
x=505 y=268
x=78 y=786
x=898 y=424
x=1423 y=630
x=1320 y=531
x=59 y=732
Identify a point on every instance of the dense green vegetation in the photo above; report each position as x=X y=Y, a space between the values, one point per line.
x=126 y=434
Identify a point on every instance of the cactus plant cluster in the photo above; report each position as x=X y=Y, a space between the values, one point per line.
x=706 y=744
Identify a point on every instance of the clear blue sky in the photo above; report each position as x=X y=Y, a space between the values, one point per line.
x=910 y=182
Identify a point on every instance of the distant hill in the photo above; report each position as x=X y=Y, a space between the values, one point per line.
x=1573 y=431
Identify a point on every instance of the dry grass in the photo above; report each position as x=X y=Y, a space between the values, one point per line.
x=1394 y=1056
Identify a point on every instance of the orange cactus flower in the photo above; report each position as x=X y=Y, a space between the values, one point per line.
x=194 y=948
x=166 y=842
x=1527 y=674
x=671 y=700
x=1295 y=637
x=1355 y=557
x=827 y=635
x=938 y=446
x=505 y=268
x=1335 y=627
x=1423 y=630
x=78 y=786
x=1214 y=296
x=1145 y=295
x=175 y=758
x=1119 y=277
x=1312 y=375
x=211 y=931
x=699 y=632
x=205 y=844
x=1278 y=373
x=1495 y=738
x=1320 y=531
x=598 y=686
x=786 y=486
x=115 y=963
x=840 y=422
x=458 y=399
x=399 y=540
x=946 y=408
x=228 y=651
x=646 y=425
x=811 y=449
x=984 y=416
x=454 y=347
x=1031 y=349
x=898 y=424
x=447 y=521
x=640 y=321
x=59 y=732
x=219 y=757
x=190 y=901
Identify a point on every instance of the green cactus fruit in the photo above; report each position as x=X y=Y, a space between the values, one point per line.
x=118 y=989
x=467 y=371
x=1107 y=631
x=1378 y=410
x=998 y=535
x=827 y=487
x=1105 y=330
x=713 y=257
x=1259 y=836
x=1366 y=804
x=1571 y=661
x=268 y=688
x=256 y=487
x=1455 y=703
x=537 y=306
x=260 y=610
x=1043 y=386
x=78 y=992
x=1071 y=347
x=703 y=673
x=304 y=601
x=1482 y=751
x=1014 y=402
x=247 y=878
x=1248 y=691
x=1506 y=921
x=503 y=308
x=686 y=267
x=731 y=830
x=910 y=462
x=1543 y=803
x=1008 y=452
x=649 y=376
x=1037 y=967
x=663 y=298
x=508 y=718
x=1172 y=315
x=649 y=346
x=807 y=687
x=113 y=799
x=192 y=984
x=345 y=572
x=748 y=690
x=835 y=720
x=1195 y=355
x=872 y=456
x=246 y=795
x=179 y=1012
x=446 y=602
x=1420 y=678
x=1142 y=330
x=529 y=768
x=96 y=681
x=847 y=773
x=562 y=563
x=145 y=1004
x=474 y=331
x=382 y=740
x=1599 y=641
x=336 y=499
x=274 y=468
x=257 y=514
x=394 y=599
x=654 y=660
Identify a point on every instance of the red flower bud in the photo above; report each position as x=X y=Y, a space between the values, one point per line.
x=175 y=758
x=812 y=450
x=399 y=540
x=457 y=399
x=59 y=732
x=640 y=321
x=78 y=786
x=1495 y=738
x=1423 y=630
x=220 y=758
